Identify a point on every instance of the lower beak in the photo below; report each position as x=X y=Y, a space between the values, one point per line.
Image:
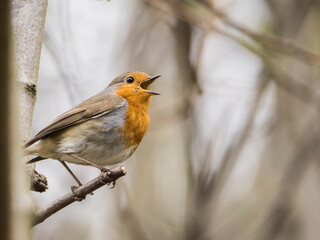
x=146 y=84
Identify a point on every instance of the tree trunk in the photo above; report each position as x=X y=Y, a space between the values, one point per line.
x=28 y=20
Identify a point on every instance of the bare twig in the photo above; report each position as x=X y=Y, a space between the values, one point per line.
x=79 y=194
x=283 y=45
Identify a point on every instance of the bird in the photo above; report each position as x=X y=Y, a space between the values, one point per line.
x=103 y=130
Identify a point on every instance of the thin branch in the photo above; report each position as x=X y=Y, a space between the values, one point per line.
x=281 y=77
x=78 y=194
x=283 y=45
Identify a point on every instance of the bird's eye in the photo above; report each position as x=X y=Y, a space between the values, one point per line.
x=130 y=80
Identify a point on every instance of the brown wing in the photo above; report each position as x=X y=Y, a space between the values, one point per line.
x=98 y=105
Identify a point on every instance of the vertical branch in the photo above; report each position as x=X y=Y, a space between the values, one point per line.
x=28 y=20
x=182 y=33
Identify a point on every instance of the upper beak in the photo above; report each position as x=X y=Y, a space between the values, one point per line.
x=146 y=84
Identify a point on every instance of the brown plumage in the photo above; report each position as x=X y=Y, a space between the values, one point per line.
x=93 y=107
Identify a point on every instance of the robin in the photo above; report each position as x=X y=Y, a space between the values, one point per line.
x=103 y=130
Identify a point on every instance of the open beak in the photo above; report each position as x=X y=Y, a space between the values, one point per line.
x=146 y=84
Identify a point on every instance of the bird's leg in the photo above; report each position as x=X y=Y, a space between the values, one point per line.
x=72 y=174
x=102 y=169
x=73 y=188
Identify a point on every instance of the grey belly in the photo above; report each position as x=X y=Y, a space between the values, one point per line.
x=97 y=140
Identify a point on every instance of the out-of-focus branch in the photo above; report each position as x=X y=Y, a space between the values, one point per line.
x=290 y=15
x=6 y=126
x=280 y=44
x=79 y=194
x=281 y=77
x=66 y=73
x=230 y=157
x=202 y=16
x=307 y=152
x=209 y=185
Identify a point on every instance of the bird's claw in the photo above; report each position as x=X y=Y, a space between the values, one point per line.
x=107 y=171
x=75 y=196
x=113 y=184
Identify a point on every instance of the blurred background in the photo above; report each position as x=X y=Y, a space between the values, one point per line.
x=232 y=150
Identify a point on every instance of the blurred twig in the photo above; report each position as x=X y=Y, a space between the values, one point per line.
x=6 y=126
x=280 y=44
x=130 y=217
x=79 y=194
x=64 y=71
x=281 y=77
x=201 y=16
x=290 y=16
x=307 y=152
x=235 y=148
x=210 y=184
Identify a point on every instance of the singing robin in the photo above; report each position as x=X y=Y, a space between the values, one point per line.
x=103 y=130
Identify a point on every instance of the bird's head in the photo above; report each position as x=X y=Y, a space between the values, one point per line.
x=134 y=86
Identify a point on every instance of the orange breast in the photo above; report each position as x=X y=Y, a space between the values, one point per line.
x=137 y=117
x=136 y=124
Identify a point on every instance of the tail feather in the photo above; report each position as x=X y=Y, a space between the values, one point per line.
x=36 y=159
x=29 y=143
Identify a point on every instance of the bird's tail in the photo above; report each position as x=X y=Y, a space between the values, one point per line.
x=32 y=150
x=36 y=159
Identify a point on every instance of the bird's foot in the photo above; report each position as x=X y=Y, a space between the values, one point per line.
x=103 y=172
x=113 y=184
x=76 y=196
x=102 y=176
